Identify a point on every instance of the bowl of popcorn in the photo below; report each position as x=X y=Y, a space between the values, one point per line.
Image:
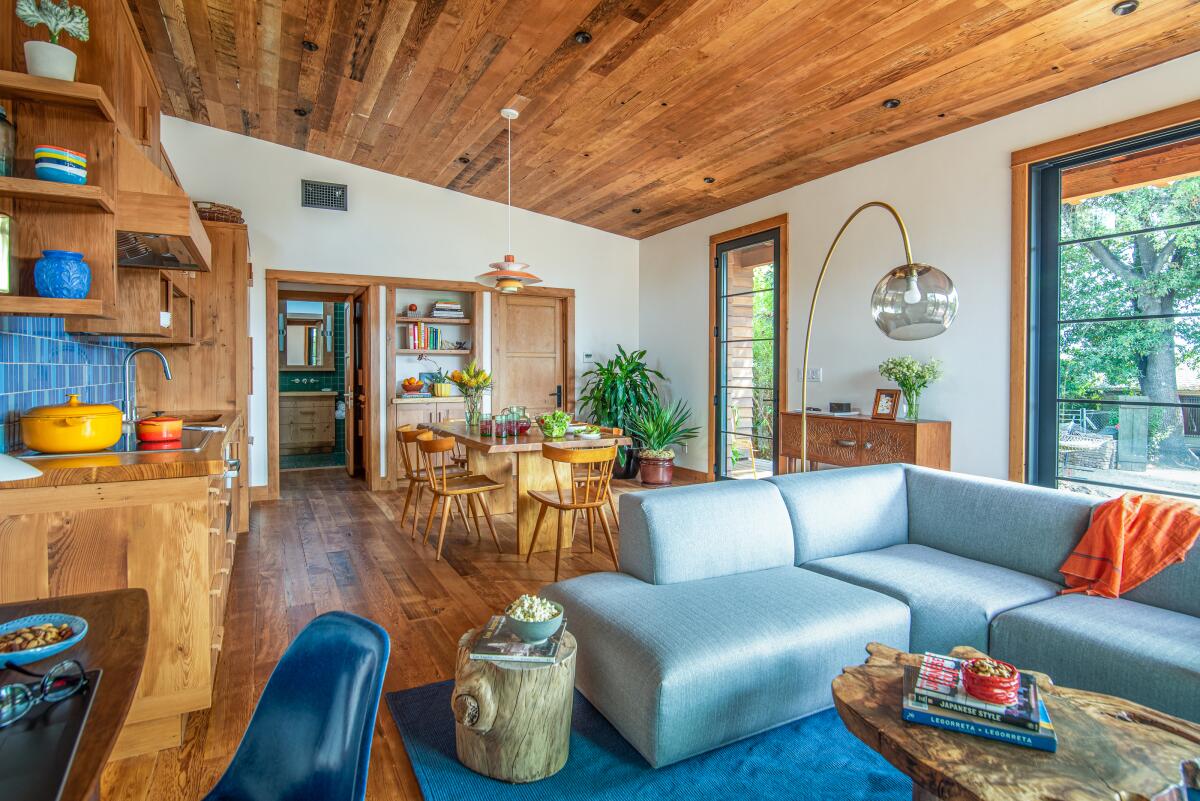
x=36 y=637
x=533 y=619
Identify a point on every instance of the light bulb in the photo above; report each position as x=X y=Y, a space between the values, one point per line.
x=912 y=294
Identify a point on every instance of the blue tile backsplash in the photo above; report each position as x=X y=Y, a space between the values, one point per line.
x=40 y=363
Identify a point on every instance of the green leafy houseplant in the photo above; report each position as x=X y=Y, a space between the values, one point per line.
x=615 y=390
x=657 y=427
x=58 y=17
x=912 y=377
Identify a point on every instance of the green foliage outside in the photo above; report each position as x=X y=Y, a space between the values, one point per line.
x=1150 y=273
x=764 y=352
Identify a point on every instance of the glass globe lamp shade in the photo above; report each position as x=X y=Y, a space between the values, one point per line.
x=914 y=301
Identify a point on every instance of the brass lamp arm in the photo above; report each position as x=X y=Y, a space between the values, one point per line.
x=813 y=307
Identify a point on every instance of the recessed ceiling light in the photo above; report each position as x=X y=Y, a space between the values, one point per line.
x=708 y=179
x=636 y=210
x=583 y=37
x=663 y=104
x=301 y=112
x=1125 y=7
x=891 y=102
x=464 y=160
x=310 y=46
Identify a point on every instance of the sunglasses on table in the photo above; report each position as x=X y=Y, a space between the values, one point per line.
x=59 y=683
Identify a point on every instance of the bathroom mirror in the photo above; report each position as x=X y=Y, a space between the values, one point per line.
x=307 y=329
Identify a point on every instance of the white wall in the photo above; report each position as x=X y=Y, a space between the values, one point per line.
x=395 y=227
x=955 y=195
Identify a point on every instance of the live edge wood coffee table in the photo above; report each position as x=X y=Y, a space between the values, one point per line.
x=1108 y=748
x=512 y=720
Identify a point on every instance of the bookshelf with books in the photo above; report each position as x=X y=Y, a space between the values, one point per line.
x=442 y=324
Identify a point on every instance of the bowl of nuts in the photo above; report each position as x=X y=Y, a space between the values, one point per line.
x=533 y=619
x=29 y=639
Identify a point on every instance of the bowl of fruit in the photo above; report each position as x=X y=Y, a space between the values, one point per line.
x=410 y=385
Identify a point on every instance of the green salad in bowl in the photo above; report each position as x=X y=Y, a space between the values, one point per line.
x=554 y=425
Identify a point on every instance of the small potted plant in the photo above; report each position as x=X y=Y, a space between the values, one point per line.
x=912 y=378
x=439 y=382
x=50 y=59
x=658 y=428
x=472 y=382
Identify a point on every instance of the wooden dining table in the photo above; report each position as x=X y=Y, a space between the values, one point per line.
x=118 y=629
x=518 y=464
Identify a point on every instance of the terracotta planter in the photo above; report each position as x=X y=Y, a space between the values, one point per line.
x=657 y=472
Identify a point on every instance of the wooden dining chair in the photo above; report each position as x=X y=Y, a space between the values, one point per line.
x=446 y=486
x=588 y=490
x=459 y=455
x=414 y=471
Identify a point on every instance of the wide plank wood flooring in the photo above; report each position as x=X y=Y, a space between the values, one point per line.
x=327 y=544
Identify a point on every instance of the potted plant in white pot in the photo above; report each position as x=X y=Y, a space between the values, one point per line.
x=658 y=428
x=50 y=59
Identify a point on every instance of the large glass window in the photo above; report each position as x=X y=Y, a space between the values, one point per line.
x=1115 y=382
x=747 y=367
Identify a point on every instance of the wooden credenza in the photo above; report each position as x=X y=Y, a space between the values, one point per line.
x=861 y=440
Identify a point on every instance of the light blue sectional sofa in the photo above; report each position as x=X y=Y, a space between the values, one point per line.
x=739 y=602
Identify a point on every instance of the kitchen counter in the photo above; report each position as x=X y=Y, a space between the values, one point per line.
x=68 y=470
x=435 y=399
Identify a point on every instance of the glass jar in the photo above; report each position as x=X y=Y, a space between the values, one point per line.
x=8 y=278
x=8 y=143
x=485 y=425
x=500 y=426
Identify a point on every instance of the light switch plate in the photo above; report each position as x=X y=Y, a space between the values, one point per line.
x=815 y=374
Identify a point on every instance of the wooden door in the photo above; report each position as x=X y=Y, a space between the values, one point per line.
x=529 y=353
x=351 y=370
x=356 y=395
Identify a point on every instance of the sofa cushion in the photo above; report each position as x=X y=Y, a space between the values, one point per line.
x=1019 y=526
x=706 y=530
x=1176 y=588
x=682 y=668
x=1114 y=646
x=951 y=599
x=836 y=512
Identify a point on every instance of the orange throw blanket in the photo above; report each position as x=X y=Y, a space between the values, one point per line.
x=1130 y=539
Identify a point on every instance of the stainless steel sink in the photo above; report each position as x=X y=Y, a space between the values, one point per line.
x=192 y=442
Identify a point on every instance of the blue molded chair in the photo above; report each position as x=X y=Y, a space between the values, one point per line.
x=310 y=737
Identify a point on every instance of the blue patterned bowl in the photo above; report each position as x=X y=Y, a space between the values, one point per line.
x=62 y=274
x=59 y=173
x=77 y=624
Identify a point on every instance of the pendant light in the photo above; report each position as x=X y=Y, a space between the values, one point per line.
x=510 y=275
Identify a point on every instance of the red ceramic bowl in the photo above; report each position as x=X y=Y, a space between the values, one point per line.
x=992 y=689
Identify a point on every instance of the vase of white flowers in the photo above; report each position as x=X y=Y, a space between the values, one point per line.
x=912 y=378
x=50 y=59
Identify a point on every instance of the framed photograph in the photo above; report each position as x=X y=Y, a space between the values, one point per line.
x=887 y=402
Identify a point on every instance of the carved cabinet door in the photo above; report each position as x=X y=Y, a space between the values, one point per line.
x=883 y=443
x=834 y=441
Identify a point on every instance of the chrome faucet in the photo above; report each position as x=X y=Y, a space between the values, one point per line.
x=130 y=402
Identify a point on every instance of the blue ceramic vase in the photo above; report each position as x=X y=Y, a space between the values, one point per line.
x=62 y=274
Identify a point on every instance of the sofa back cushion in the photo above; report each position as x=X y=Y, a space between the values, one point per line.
x=1018 y=526
x=839 y=512
x=702 y=531
x=1176 y=587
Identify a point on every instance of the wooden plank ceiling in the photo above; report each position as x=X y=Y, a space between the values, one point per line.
x=623 y=132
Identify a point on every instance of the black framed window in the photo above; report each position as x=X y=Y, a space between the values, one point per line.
x=747 y=356
x=1114 y=367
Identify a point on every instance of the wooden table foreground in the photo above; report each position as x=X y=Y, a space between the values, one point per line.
x=1108 y=748
x=496 y=458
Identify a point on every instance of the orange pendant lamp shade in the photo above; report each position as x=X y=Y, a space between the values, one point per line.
x=508 y=276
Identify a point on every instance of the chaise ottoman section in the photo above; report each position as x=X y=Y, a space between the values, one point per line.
x=682 y=668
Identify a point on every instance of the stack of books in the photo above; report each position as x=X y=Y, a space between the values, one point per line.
x=446 y=308
x=934 y=696
x=497 y=644
x=422 y=336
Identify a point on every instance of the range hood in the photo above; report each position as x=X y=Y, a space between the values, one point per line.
x=154 y=250
x=157 y=226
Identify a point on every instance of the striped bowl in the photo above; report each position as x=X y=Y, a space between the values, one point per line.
x=61 y=154
x=59 y=173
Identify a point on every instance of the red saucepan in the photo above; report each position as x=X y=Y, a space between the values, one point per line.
x=159 y=429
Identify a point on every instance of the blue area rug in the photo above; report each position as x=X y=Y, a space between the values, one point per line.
x=813 y=758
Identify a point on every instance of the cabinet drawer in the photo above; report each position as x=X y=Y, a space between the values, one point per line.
x=883 y=443
x=832 y=441
x=307 y=433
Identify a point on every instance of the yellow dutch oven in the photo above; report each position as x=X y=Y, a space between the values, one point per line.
x=71 y=427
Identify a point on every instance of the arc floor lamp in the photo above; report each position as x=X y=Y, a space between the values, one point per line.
x=913 y=301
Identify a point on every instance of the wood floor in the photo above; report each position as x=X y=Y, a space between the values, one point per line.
x=330 y=544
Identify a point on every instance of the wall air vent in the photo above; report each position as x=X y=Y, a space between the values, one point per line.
x=321 y=195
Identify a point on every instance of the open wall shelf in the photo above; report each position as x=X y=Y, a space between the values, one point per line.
x=51 y=192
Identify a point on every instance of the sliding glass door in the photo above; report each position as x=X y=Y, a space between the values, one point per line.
x=747 y=355
x=1115 y=387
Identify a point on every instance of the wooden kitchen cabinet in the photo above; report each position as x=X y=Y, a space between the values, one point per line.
x=306 y=422
x=861 y=440
x=426 y=410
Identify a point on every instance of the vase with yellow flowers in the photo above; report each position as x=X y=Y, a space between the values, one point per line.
x=472 y=381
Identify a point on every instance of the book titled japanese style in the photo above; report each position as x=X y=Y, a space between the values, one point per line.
x=495 y=643
x=915 y=711
x=939 y=684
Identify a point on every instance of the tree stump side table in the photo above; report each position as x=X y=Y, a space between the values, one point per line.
x=513 y=719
